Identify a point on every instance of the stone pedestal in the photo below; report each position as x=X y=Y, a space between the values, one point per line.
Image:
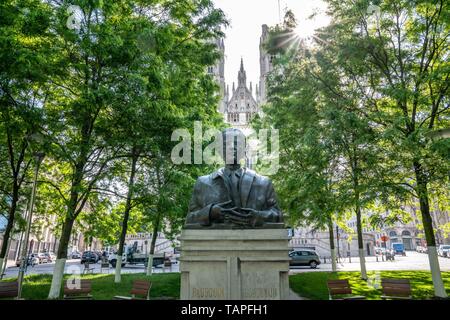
x=234 y=264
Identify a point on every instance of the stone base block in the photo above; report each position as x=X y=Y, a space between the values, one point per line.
x=234 y=264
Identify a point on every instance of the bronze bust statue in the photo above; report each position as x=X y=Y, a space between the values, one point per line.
x=234 y=197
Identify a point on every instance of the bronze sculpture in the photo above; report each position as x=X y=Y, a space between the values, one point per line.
x=234 y=197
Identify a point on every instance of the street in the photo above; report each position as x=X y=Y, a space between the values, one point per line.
x=412 y=261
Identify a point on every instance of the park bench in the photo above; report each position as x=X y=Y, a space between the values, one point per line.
x=341 y=290
x=104 y=265
x=396 y=289
x=83 y=292
x=167 y=264
x=87 y=268
x=9 y=289
x=140 y=291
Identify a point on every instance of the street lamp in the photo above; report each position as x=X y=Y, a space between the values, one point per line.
x=38 y=157
x=337 y=243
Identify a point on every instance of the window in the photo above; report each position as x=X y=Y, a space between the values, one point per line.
x=392 y=234
x=406 y=233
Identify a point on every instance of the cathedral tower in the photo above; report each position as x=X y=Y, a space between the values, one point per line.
x=218 y=72
x=266 y=66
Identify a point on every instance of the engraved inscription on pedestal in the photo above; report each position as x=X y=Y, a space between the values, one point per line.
x=208 y=293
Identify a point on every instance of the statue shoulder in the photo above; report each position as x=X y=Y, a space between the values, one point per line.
x=207 y=179
x=259 y=178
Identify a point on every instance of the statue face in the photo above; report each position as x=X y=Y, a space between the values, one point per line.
x=233 y=146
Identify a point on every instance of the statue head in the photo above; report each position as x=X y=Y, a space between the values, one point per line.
x=234 y=144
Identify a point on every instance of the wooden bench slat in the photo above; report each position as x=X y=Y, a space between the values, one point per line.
x=10 y=294
x=399 y=286
x=340 y=291
x=397 y=292
x=395 y=281
x=139 y=292
x=8 y=286
x=77 y=291
x=341 y=281
x=141 y=287
x=9 y=289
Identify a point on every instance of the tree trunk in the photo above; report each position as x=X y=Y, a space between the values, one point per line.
x=61 y=257
x=126 y=215
x=11 y=216
x=332 y=246
x=422 y=190
x=362 y=259
x=153 y=244
x=4 y=262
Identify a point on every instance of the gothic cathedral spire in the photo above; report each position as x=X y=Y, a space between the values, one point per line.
x=242 y=76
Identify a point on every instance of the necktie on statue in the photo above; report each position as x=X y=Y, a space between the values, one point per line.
x=235 y=192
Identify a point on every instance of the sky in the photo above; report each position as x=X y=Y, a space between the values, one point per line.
x=246 y=20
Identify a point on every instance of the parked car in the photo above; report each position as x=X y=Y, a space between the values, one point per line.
x=75 y=255
x=446 y=253
x=443 y=250
x=51 y=257
x=89 y=256
x=42 y=257
x=32 y=260
x=421 y=249
x=304 y=258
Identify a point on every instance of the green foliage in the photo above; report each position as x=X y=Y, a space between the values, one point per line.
x=355 y=108
x=122 y=79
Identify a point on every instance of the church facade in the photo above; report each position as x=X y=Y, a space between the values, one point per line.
x=241 y=104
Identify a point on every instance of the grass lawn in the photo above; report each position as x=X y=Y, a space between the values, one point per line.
x=167 y=285
x=313 y=285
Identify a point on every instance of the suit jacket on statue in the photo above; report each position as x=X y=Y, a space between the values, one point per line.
x=255 y=191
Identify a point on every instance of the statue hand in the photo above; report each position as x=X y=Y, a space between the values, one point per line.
x=234 y=216
x=217 y=210
x=254 y=216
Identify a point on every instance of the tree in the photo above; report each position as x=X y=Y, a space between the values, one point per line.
x=330 y=150
x=25 y=42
